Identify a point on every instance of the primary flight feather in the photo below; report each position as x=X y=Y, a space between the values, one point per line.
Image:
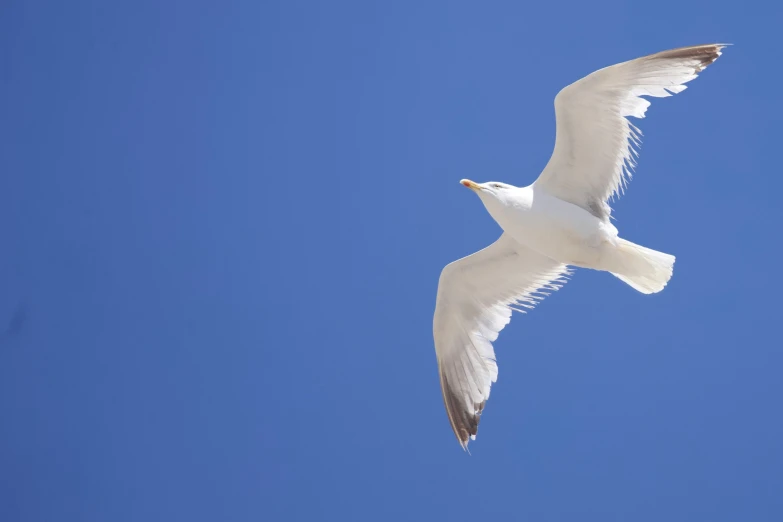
x=561 y=220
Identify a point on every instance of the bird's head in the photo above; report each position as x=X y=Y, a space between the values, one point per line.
x=490 y=192
x=496 y=196
x=490 y=187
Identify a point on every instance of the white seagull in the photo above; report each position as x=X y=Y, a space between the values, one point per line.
x=562 y=219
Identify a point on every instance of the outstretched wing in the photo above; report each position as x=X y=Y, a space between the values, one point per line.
x=476 y=296
x=596 y=146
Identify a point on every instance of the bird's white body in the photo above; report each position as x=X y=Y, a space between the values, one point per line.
x=550 y=226
x=561 y=220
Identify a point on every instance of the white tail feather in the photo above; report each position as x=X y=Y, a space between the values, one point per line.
x=643 y=269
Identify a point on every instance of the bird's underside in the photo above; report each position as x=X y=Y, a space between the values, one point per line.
x=595 y=151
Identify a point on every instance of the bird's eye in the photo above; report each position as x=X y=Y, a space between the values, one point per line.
x=497 y=185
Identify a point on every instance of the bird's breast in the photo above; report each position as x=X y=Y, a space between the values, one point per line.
x=555 y=228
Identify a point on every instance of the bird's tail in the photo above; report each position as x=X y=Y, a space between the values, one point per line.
x=643 y=269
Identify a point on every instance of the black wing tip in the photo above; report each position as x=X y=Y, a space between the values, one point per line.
x=704 y=54
x=463 y=422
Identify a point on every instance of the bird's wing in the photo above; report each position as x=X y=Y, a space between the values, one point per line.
x=476 y=295
x=596 y=146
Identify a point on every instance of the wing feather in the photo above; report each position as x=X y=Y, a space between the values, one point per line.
x=476 y=296
x=596 y=147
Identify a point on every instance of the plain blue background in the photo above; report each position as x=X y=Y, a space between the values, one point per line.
x=226 y=221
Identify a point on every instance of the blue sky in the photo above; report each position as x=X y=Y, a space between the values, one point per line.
x=226 y=222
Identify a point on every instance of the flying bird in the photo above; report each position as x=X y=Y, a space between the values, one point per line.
x=562 y=220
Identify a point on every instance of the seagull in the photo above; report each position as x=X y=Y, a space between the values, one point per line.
x=562 y=220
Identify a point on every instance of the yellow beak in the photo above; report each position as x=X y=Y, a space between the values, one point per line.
x=470 y=184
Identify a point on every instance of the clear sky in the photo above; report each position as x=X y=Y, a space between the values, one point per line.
x=226 y=222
